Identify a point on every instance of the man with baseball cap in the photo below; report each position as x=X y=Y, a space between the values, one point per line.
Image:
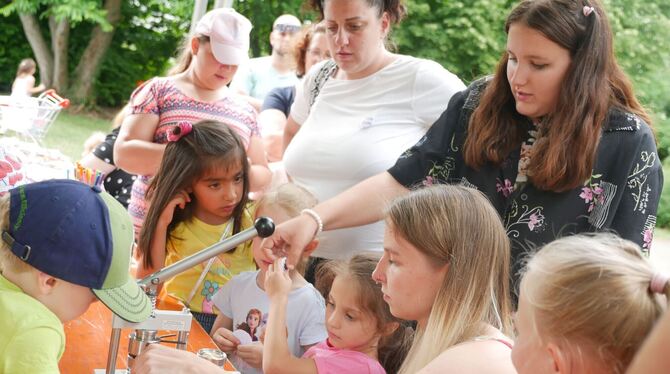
x=64 y=244
x=262 y=74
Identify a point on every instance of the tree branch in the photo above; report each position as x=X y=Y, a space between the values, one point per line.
x=60 y=36
x=89 y=63
x=39 y=46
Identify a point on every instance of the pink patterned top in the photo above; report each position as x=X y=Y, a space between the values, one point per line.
x=160 y=96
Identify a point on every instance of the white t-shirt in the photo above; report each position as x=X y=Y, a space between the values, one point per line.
x=305 y=312
x=258 y=77
x=357 y=129
x=22 y=85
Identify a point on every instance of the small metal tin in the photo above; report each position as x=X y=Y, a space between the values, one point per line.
x=214 y=356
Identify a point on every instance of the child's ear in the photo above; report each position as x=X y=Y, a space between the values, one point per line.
x=45 y=283
x=309 y=249
x=560 y=362
x=195 y=45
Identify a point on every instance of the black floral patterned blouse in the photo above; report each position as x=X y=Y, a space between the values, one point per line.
x=621 y=196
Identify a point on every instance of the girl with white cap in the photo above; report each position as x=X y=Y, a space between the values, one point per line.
x=195 y=90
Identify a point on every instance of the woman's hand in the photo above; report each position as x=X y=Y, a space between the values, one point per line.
x=180 y=200
x=225 y=340
x=290 y=239
x=277 y=281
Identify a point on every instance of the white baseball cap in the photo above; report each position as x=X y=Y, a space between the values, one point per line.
x=228 y=33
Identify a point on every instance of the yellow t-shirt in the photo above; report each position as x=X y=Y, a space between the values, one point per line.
x=193 y=236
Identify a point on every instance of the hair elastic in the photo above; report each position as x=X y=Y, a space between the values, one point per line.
x=587 y=10
x=658 y=282
x=181 y=129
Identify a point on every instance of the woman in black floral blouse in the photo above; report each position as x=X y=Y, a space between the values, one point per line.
x=555 y=138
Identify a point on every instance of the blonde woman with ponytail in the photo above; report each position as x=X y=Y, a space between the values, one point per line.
x=446 y=266
x=587 y=303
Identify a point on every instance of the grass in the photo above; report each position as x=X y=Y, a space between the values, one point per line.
x=70 y=131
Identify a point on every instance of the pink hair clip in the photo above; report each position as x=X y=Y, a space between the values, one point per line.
x=658 y=282
x=181 y=129
x=587 y=10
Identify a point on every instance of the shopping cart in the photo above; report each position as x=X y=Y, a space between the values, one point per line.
x=31 y=116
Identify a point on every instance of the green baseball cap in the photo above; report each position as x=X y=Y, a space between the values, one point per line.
x=79 y=234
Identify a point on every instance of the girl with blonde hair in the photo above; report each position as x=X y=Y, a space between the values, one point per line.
x=587 y=303
x=446 y=266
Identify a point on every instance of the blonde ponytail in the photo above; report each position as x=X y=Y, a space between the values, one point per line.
x=593 y=294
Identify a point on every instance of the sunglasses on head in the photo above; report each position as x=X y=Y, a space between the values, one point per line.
x=291 y=29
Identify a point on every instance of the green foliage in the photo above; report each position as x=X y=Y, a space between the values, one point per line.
x=147 y=37
x=465 y=36
x=663 y=214
x=76 y=11
x=262 y=14
x=13 y=48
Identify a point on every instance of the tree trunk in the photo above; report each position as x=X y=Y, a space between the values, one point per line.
x=60 y=35
x=89 y=64
x=39 y=46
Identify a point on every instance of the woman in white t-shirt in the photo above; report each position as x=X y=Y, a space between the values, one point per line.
x=358 y=115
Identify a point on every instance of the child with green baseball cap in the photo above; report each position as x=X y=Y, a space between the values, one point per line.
x=63 y=245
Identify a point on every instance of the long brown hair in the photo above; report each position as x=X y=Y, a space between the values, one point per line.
x=457 y=226
x=393 y=347
x=591 y=295
x=209 y=146
x=564 y=152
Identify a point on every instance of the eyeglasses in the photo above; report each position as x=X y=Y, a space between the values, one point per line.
x=291 y=29
x=317 y=53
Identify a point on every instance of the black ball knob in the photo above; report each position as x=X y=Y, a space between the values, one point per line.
x=264 y=226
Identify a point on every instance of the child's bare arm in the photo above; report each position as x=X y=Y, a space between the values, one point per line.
x=36 y=89
x=259 y=173
x=277 y=358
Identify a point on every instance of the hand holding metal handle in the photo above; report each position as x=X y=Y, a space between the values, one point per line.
x=263 y=227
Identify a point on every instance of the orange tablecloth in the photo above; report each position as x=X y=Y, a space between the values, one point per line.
x=87 y=340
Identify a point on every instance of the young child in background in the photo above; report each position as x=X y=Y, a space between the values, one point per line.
x=363 y=336
x=63 y=244
x=24 y=83
x=587 y=302
x=92 y=141
x=99 y=155
x=246 y=293
x=198 y=197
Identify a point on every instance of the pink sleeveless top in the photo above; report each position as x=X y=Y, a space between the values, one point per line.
x=160 y=96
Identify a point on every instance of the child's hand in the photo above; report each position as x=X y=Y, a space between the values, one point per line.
x=180 y=200
x=225 y=340
x=252 y=354
x=277 y=280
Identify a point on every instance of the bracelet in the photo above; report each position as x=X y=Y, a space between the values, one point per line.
x=315 y=216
